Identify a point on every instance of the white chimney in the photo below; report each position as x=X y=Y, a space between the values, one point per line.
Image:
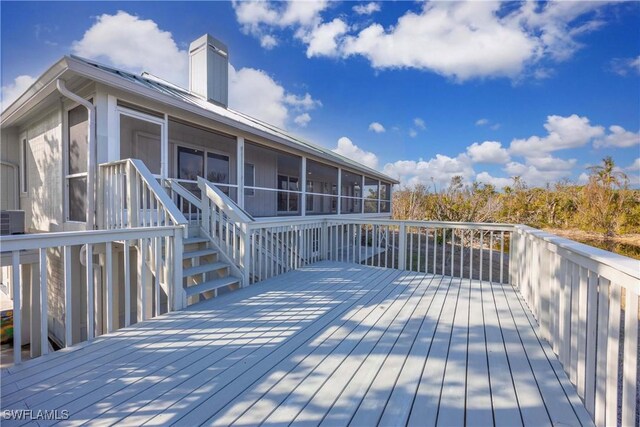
x=209 y=69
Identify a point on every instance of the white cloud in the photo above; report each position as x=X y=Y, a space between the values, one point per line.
x=259 y=18
x=13 y=90
x=274 y=104
x=348 y=149
x=413 y=133
x=563 y=132
x=618 y=137
x=144 y=46
x=419 y=123
x=305 y=102
x=534 y=176
x=498 y=182
x=583 y=178
x=438 y=170
x=136 y=44
x=550 y=163
x=461 y=40
x=482 y=122
x=366 y=9
x=488 y=152
x=635 y=166
x=376 y=127
x=322 y=39
x=268 y=41
x=625 y=66
x=302 y=120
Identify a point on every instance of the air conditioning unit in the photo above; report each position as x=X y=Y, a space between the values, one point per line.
x=11 y=222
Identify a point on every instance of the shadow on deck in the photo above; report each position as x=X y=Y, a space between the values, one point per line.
x=331 y=344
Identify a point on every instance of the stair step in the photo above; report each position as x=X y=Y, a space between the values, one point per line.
x=194 y=240
x=211 y=285
x=199 y=253
x=200 y=269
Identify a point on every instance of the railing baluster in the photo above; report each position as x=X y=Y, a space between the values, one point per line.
x=127 y=283
x=630 y=357
x=44 y=303
x=601 y=358
x=17 y=309
x=453 y=243
x=491 y=256
x=108 y=252
x=90 y=292
x=67 y=297
x=613 y=353
x=502 y=256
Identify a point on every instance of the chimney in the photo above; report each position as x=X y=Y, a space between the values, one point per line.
x=209 y=70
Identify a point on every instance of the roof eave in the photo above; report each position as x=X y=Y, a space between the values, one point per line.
x=38 y=90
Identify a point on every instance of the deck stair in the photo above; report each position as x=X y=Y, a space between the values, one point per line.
x=204 y=273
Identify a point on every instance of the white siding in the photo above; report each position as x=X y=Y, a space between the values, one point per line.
x=44 y=200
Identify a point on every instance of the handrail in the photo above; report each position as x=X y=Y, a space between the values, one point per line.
x=179 y=189
x=628 y=266
x=130 y=181
x=224 y=202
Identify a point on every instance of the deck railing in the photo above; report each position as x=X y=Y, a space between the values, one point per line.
x=586 y=303
x=455 y=249
x=281 y=246
x=87 y=258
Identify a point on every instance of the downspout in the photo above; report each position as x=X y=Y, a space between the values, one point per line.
x=91 y=150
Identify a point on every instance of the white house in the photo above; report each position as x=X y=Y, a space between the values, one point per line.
x=65 y=142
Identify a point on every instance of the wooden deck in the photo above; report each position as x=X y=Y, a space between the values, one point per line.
x=331 y=344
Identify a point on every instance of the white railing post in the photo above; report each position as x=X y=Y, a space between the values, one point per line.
x=206 y=214
x=245 y=254
x=402 y=247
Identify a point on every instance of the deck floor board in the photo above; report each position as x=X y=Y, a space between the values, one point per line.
x=332 y=343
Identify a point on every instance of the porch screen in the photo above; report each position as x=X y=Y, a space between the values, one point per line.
x=351 y=200
x=322 y=188
x=140 y=139
x=76 y=176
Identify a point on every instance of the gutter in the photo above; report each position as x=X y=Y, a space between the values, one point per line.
x=91 y=149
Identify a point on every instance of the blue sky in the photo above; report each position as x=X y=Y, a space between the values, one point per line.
x=422 y=91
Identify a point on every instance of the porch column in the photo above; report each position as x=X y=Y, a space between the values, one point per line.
x=339 y=190
x=303 y=183
x=240 y=170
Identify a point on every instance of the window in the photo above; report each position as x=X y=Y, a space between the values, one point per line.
x=190 y=163
x=25 y=172
x=249 y=179
x=76 y=176
x=287 y=200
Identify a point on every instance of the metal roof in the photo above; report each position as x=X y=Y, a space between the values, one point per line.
x=184 y=95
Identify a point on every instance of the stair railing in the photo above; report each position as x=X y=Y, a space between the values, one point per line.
x=226 y=224
x=132 y=197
